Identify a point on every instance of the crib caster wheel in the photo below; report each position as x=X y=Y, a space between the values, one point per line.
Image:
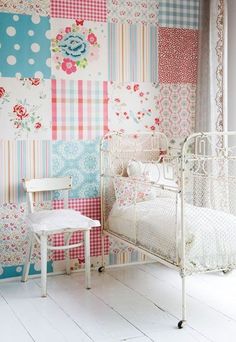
x=101 y=269
x=181 y=324
x=227 y=271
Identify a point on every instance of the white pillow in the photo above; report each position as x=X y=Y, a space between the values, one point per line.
x=161 y=173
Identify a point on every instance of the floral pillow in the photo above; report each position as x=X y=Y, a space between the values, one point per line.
x=128 y=192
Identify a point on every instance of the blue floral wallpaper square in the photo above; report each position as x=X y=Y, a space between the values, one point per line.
x=79 y=159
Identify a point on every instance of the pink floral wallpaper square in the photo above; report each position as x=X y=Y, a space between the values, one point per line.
x=133 y=107
x=25 y=112
x=133 y=11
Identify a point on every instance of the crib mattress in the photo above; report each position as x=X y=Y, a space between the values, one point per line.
x=210 y=234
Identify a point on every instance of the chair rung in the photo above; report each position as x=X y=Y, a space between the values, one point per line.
x=55 y=248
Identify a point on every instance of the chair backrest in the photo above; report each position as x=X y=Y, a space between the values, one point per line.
x=46 y=184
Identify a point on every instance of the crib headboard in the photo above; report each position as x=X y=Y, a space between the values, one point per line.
x=117 y=149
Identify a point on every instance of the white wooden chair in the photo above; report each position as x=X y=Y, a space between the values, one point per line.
x=47 y=222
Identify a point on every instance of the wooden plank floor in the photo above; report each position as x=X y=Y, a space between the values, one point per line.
x=135 y=303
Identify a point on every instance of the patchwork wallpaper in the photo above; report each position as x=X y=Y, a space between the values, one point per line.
x=70 y=71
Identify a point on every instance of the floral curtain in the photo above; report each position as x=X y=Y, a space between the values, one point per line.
x=211 y=113
x=211 y=107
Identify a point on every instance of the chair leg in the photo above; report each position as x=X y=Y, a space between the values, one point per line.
x=43 y=246
x=26 y=268
x=87 y=259
x=67 y=253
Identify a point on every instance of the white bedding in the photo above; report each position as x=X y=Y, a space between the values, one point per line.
x=210 y=234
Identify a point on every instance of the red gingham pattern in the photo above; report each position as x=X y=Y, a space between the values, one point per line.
x=94 y=10
x=90 y=207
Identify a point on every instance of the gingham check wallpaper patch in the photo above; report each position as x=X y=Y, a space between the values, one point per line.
x=179 y=13
x=79 y=109
x=91 y=208
x=93 y=10
x=69 y=77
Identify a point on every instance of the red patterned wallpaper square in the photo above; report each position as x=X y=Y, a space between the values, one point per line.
x=178 y=55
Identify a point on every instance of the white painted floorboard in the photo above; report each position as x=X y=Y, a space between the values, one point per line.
x=10 y=327
x=43 y=318
x=135 y=304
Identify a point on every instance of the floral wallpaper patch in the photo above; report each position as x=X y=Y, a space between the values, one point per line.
x=4 y=96
x=23 y=159
x=178 y=55
x=79 y=159
x=78 y=47
x=132 y=11
x=24 y=46
x=132 y=53
x=40 y=7
x=79 y=109
x=133 y=107
x=14 y=234
x=93 y=10
x=25 y=113
x=177 y=109
x=179 y=13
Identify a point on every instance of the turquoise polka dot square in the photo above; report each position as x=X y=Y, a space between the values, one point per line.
x=24 y=46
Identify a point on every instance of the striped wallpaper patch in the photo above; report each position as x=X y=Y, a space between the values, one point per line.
x=22 y=159
x=79 y=109
x=132 y=52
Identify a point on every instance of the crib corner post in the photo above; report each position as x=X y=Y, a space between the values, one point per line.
x=182 y=323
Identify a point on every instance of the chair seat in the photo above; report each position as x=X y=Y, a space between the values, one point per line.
x=59 y=220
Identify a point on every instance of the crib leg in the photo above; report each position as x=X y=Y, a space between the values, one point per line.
x=102 y=268
x=183 y=321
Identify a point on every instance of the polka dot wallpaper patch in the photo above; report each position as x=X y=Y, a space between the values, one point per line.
x=24 y=46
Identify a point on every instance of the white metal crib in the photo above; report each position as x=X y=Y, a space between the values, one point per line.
x=181 y=209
